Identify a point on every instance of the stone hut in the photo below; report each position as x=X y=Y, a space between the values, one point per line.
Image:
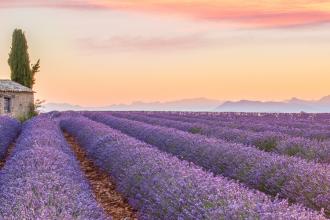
x=15 y=99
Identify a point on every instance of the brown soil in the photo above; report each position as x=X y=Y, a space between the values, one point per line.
x=103 y=187
x=8 y=153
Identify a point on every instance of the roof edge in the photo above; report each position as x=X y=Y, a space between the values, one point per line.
x=7 y=85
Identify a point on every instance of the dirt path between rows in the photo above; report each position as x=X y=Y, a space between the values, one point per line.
x=103 y=187
x=8 y=153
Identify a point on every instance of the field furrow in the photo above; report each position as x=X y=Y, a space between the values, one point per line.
x=102 y=185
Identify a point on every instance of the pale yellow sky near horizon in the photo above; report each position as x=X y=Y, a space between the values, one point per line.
x=94 y=57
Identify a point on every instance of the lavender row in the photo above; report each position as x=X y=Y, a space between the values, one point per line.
x=9 y=129
x=313 y=128
x=276 y=140
x=280 y=119
x=252 y=123
x=43 y=180
x=293 y=178
x=267 y=141
x=161 y=186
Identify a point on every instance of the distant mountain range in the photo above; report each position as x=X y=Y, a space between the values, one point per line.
x=202 y=104
x=293 y=105
x=198 y=104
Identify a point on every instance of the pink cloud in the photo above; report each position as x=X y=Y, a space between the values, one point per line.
x=243 y=13
x=251 y=14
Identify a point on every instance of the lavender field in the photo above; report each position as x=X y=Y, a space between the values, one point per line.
x=165 y=165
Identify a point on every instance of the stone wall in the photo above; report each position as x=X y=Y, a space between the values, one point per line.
x=20 y=103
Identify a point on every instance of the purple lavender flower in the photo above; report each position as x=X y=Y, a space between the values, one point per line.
x=299 y=181
x=9 y=129
x=271 y=141
x=43 y=180
x=161 y=186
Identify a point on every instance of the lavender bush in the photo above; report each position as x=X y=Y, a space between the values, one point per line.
x=268 y=141
x=293 y=178
x=314 y=126
x=303 y=135
x=43 y=180
x=161 y=186
x=9 y=129
x=251 y=122
x=263 y=140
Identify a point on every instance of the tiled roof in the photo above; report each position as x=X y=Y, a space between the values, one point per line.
x=11 y=86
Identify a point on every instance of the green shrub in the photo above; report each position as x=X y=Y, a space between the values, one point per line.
x=33 y=111
x=268 y=144
x=195 y=130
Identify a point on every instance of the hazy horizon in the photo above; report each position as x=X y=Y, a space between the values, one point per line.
x=96 y=53
x=293 y=105
x=187 y=99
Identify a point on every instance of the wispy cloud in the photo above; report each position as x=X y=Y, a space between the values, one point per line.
x=139 y=43
x=70 y=4
x=254 y=13
x=220 y=40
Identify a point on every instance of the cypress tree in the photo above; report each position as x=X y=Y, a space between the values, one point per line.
x=19 y=61
x=34 y=70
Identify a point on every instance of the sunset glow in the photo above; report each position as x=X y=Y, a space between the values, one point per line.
x=101 y=52
x=247 y=13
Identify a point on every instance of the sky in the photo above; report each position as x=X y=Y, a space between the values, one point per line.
x=102 y=52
